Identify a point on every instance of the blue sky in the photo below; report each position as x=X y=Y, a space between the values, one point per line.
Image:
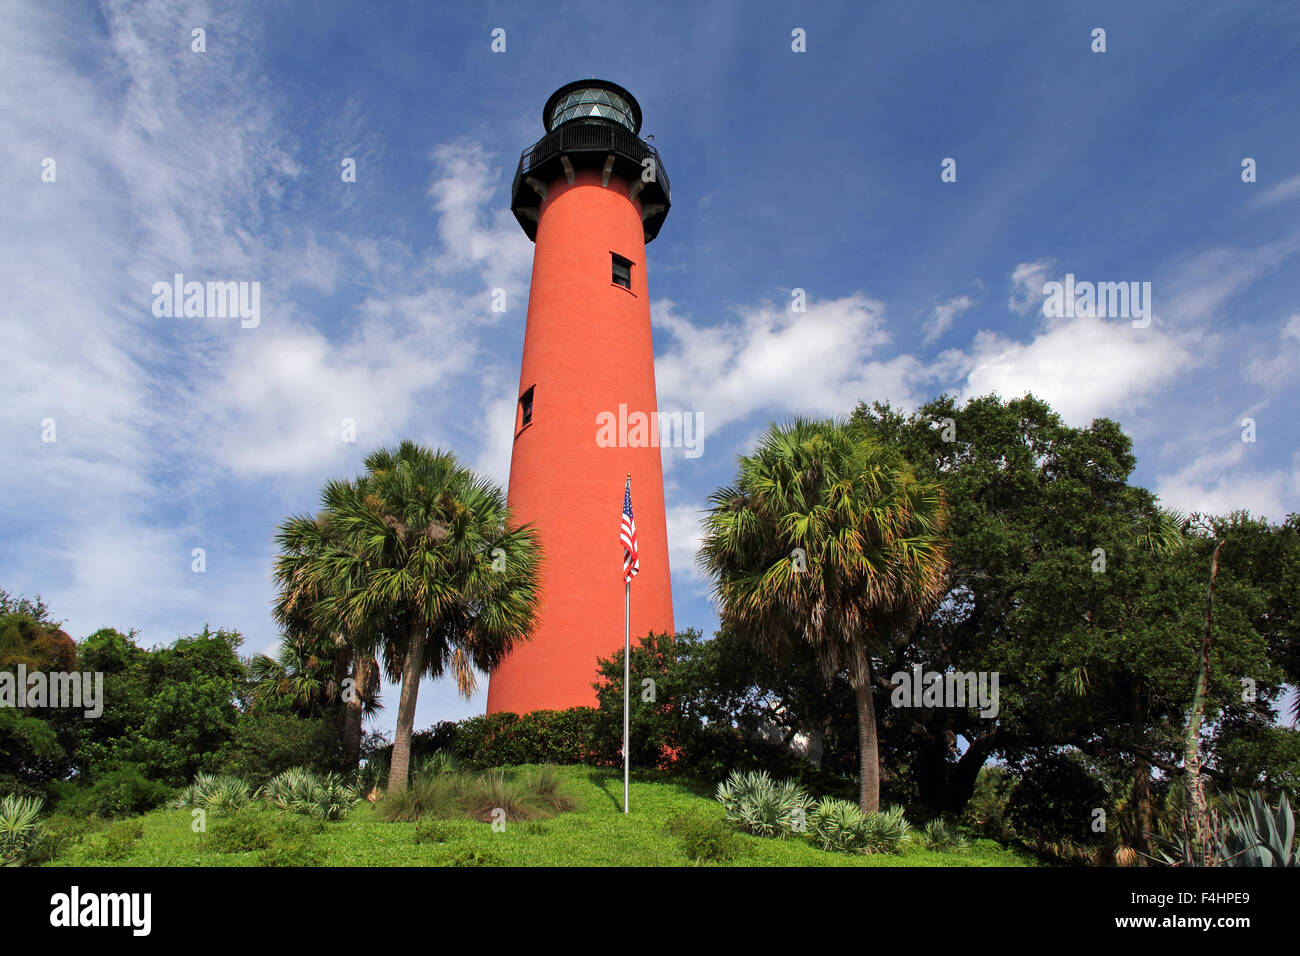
x=817 y=170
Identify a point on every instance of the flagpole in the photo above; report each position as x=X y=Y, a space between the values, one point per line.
x=627 y=671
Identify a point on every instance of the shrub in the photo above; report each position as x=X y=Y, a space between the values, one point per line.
x=433 y=831
x=440 y=761
x=838 y=825
x=1053 y=799
x=298 y=790
x=62 y=833
x=940 y=837
x=21 y=831
x=885 y=830
x=264 y=745
x=493 y=791
x=987 y=807
x=278 y=840
x=546 y=790
x=123 y=792
x=217 y=794
x=297 y=851
x=114 y=842
x=243 y=832
x=530 y=795
x=753 y=802
x=704 y=839
x=841 y=826
x=543 y=736
x=1247 y=832
x=436 y=796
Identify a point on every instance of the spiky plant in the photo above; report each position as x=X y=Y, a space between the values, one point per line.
x=438 y=762
x=1247 y=832
x=756 y=804
x=885 y=830
x=21 y=832
x=837 y=825
x=940 y=837
x=217 y=793
x=1256 y=834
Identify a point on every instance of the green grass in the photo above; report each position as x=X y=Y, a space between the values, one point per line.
x=595 y=834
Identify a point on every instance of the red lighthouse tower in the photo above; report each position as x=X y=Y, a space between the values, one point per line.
x=590 y=193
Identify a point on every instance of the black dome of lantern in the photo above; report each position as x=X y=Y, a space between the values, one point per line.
x=590 y=124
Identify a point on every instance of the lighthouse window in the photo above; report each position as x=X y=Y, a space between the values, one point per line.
x=526 y=407
x=622 y=272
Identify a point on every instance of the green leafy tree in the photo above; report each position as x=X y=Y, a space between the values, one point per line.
x=168 y=709
x=1082 y=593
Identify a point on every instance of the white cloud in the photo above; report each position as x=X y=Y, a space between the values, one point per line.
x=769 y=359
x=943 y=315
x=1084 y=367
x=1027 y=281
x=170 y=161
x=1280 y=362
x=1283 y=191
x=1220 y=480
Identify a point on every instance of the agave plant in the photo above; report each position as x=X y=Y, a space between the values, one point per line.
x=1246 y=832
x=753 y=802
x=20 y=828
x=1255 y=834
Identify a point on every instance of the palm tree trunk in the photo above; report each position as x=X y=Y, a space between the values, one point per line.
x=868 y=745
x=412 y=668
x=353 y=713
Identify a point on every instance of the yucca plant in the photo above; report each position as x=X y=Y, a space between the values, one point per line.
x=885 y=830
x=842 y=826
x=332 y=798
x=298 y=790
x=21 y=832
x=217 y=793
x=756 y=804
x=837 y=825
x=291 y=789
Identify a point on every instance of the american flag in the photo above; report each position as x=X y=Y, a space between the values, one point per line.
x=627 y=535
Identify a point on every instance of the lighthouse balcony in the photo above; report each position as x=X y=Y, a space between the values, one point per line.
x=606 y=146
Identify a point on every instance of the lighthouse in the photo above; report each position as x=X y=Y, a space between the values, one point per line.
x=590 y=194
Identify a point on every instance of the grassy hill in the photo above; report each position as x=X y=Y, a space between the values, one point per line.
x=595 y=834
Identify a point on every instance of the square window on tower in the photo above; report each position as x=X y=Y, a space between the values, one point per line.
x=525 y=408
x=622 y=271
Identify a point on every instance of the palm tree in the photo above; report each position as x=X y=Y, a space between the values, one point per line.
x=419 y=562
x=297 y=674
x=303 y=580
x=829 y=537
